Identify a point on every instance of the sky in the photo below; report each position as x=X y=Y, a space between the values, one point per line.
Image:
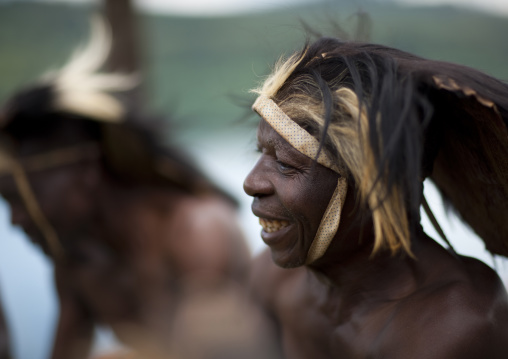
x=230 y=7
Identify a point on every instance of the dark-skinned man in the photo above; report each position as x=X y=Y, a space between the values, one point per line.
x=348 y=133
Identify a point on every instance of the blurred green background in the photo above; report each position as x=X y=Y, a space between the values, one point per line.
x=200 y=69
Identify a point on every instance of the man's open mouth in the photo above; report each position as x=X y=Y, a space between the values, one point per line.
x=270 y=226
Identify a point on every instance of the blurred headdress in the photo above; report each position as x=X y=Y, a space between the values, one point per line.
x=129 y=143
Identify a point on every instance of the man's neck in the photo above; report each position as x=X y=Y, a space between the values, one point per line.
x=363 y=276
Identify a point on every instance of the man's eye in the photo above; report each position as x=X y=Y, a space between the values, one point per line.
x=284 y=167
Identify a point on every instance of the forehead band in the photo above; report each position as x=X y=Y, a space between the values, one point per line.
x=306 y=144
x=295 y=135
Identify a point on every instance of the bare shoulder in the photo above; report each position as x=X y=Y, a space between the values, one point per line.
x=203 y=234
x=465 y=315
x=204 y=212
x=195 y=218
x=477 y=291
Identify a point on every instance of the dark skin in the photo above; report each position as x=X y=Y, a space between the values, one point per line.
x=349 y=304
x=4 y=337
x=140 y=259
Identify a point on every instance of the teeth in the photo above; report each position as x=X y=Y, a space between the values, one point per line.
x=272 y=226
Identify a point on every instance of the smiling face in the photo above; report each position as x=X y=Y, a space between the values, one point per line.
x=291 y=193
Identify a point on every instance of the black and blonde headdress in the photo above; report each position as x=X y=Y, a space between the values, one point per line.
x=386 y=120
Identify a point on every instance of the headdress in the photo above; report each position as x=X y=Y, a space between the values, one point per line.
x=130 y=149
x=390 y=119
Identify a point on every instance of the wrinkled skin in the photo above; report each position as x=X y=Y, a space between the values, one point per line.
x=293 y=176
x=163 y=268
x=348 y=304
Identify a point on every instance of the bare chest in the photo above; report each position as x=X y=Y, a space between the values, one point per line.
x=314 y=323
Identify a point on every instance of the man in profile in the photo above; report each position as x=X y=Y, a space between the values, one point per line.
x=348 y=132
x=141 y=240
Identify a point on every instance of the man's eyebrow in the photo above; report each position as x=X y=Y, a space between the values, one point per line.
x=270 y=142
x=276 y=143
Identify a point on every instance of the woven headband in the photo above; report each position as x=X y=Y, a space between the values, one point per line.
x=306 y=144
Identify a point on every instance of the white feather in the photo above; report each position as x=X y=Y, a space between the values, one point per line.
x=82 y=89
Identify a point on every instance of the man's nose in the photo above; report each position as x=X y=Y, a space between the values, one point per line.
x=257 y=183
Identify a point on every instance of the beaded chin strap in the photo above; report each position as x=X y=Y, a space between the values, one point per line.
x=305 y=143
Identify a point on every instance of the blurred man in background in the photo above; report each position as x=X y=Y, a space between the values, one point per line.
x=141 y=240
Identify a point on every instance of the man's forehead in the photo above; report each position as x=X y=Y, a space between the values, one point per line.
x=268 y=137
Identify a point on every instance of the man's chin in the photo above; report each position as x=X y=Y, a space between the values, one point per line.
x=286 y=260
